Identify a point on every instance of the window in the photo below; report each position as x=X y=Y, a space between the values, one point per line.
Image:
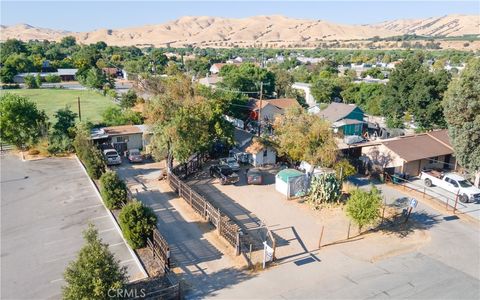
x=122 y=139
x=433 y=160
x=265 y=153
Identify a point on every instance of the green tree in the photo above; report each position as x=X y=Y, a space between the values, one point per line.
x=137 y=222
x=344 y=169
x=94 y=162
x=462 y=111
x=363 y=207
x=283 y=82
x=305 y=137
x=94 y=272
x=21 y=122
x=60 y=139
x=30 y=82
x=246 y=78
x=68 y=41
x=115 y=116
x=128 y=99
x=38 y=80
x=113 y=190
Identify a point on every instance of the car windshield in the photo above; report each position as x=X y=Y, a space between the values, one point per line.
x=134 y=152
x=231 y=160
x=226 y=171
x=464 y=183
x=112 y=154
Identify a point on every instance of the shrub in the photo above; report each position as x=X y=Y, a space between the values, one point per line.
x=33 y=152
x=363 y=207
x=137 y=222
x=59 y=143
x=113 y=190
x=94 y=162
x=30 y=82
x=128 y=99
x=344 y=169
x=52 y=78
x=95 y=271
x=324 y=188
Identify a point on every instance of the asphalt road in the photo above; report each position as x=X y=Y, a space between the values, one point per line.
x=446 y=267
x=45 y=206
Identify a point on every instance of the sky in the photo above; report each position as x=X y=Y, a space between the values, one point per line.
x=90 y=15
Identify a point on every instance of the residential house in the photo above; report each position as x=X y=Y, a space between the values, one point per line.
x=347 y=119
x=215 y=68
x=305 y=87
x=261 y=154
x=271 y=108
x=124 y=137
x=411 y=154
x=65 y=75
x=210 y=80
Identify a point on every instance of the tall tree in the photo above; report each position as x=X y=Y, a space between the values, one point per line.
x=21 y=122
x=462 y=113
x=247 y=78
x=95 y=272
x=305 y=137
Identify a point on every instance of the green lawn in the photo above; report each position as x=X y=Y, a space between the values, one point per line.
x=92 y=103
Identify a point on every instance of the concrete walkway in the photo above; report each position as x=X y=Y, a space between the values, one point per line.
x=194 y=247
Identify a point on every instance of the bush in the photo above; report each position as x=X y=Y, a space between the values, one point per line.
x=33 y=152
x=345 y=168
x=59 y=143
x=94 y=162
x=52 y=78
x=128 y=99
x=363 y=207
x=113 y=190
x=30 y=82
x=137 y=222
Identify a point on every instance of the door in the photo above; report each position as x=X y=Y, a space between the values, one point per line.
x=120 y=147
x=452 y=185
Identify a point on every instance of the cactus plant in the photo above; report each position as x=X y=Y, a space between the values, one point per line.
x=324 y=188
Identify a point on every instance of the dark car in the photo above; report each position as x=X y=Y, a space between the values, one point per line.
x=224 y=173
x=254 y=176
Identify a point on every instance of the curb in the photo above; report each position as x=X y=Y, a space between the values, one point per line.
x=134 y=255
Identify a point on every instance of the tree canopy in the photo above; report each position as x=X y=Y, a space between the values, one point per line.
x=94 y=272
x=247 y=78
x=305 y=137
x=21 y=122
x=462 y=113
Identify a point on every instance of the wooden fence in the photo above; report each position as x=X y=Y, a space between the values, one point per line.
x=224 y=225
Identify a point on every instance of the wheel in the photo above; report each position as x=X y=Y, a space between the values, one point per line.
x=428 y=182
x=463 y=198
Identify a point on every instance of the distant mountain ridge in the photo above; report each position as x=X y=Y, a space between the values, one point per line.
x=259 y=30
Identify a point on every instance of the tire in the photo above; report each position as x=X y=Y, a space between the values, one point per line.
x=463 y=198
x=428 y=182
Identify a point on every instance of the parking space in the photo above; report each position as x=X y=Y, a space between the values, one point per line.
x=46 y=204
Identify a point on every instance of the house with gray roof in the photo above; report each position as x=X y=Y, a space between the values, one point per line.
x=347 y=119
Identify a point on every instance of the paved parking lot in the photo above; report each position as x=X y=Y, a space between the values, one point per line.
x=46 y=204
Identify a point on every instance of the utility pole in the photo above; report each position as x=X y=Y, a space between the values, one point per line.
x=79 y=110
x=260 y=110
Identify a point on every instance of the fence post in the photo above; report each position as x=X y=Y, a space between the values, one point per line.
x=320 y=240
x=446 y=205
x=238 y=244
x=205 y=216
x=456 y=201
x=190 y=198
x=350 y=224
x=219 y=222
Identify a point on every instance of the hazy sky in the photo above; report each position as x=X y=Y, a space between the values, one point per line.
x=89 y=15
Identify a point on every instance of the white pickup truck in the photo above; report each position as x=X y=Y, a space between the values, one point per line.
x=453 y=183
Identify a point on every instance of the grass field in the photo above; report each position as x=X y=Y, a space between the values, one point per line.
x=92 y=103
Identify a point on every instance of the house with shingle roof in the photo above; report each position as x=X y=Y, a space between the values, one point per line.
x=347 y=119
x=269 y=109
x=412 y=153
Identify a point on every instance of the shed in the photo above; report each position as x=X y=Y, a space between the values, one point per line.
x=290 y=182
x=261 y=154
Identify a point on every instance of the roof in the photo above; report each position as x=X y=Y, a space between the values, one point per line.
x=218 y=65
x=213 y=79
x=441 y=136
x=416 y=147
x=121 y=130
x=337 y=111
x=348 y=122
x=61 y=72
x=286 y=174
x=282 y=103
x=242 y=137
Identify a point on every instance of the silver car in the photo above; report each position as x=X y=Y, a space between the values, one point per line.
x=112 y=157
x=134 y=156
x=231 y=162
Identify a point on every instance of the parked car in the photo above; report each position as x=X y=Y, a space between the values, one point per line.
x=224 y=173
x=453 y=183
x=254 y=176
x=112 y=157
x=231 y=162
x=134 y=155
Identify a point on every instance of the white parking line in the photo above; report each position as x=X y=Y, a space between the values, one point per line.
x=106 y=230
x=57 y=280
x=92 y=206
x=117 y=244
x=101 y=217
x=126 y=261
